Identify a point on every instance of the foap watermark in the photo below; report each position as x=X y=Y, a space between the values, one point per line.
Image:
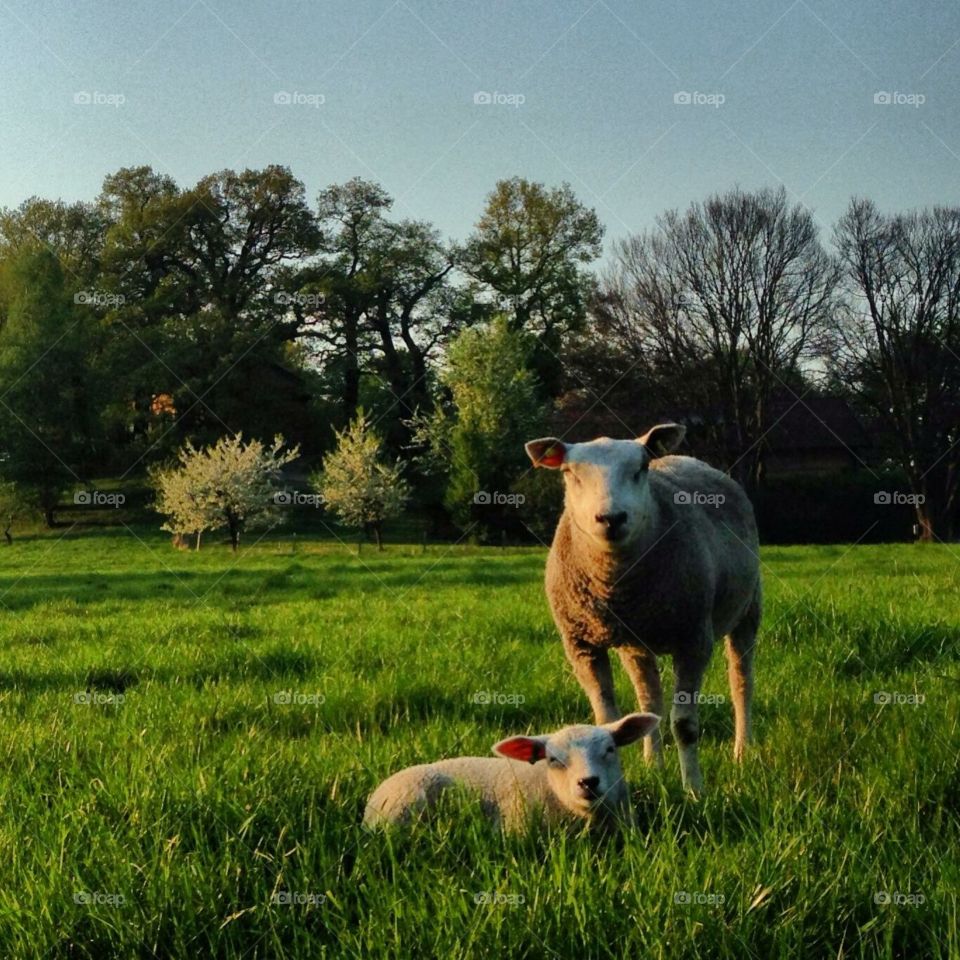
x=94 y=698
x=897 y=899
x=698 y=498
x=96 y=98
x=488 y=898
x=294 y=898
x=898 y=498
x=894 y=98
x=483 y=98
x=495 y=698
x=284 y=298
x=686 y=696
x=686 y=897
x=695 y=98
x=294 y=498
x=98 y=898
x=298 y=699
x=495 y=498
x=884 y=697
x=294 y=98
x=98 y=498
x=99 y=298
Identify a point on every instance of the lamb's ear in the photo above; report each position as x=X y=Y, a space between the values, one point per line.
x=663 y=439
x=547 y=452
x=632 y=727
x=528 y=749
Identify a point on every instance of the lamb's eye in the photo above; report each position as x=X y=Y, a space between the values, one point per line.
x=611 y=749
x=554 y=762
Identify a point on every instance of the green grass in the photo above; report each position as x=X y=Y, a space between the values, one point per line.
x=186 y=790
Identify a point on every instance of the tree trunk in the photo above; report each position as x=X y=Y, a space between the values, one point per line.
x=378 y=534
x=48 y=517
x=198 y=538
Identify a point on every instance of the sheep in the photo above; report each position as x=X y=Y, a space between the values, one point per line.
x=653 y=555
x=568 y=776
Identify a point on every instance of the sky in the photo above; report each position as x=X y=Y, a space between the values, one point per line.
x=641 y=106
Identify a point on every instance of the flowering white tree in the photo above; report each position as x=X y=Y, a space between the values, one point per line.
x=357 y=485
x=229 y=484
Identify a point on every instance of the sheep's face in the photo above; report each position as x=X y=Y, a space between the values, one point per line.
x=607 y=481
x=582 y=763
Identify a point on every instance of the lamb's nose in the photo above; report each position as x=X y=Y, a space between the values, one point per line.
x=589 y=785
x=612 y=521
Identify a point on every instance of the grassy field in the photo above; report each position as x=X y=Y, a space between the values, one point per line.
x=187 y=741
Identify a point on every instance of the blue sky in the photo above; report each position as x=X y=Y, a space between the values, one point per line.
x=781 y=92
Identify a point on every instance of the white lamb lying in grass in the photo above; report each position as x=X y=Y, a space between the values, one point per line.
x=573 y=773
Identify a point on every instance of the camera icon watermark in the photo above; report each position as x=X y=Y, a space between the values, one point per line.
x=698 y=498
x=885 y=697
x=685 y=897
x=287 y=98
x=94 y=698
x=495 y=698
x=898 y=498
x=887 y=98
x=897 y=899
x=294 y=498
x=99 y=298
x=294 y=898
x=487 y=898
x=681 y=697
x=686 y=98
x=486 y=498
x=484 y=98
x=98 y=898
x=297 y=699
x=95 y=98
x=95 y=499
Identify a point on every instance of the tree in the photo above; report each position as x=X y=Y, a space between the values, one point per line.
x=383 y=308
x=197 y=274
x=355 y=482
x=477 y=441
x=528 y=254
x=229 y=484
x=48 y=409
x=724 y=303
x=899 y=344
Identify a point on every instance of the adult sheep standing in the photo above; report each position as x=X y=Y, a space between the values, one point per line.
x=653 y=555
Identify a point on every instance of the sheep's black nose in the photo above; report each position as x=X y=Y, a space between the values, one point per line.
x=613 y=522
x=589 y=785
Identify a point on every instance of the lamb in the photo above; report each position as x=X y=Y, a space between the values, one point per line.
x=653 y=555
x=573 y=775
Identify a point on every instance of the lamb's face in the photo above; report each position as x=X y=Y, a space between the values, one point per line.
x=583 y=769
x=582 y=764
x=607 y=482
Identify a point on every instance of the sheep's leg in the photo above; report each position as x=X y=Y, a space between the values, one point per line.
x=684 y=716
x=740 y=645
x=591 y=666
x=641 y=667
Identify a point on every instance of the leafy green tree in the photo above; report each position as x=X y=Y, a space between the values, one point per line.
x=528 y=256
x=228 y=484
x=477 y=440
x=356 y=483
x=48 y=404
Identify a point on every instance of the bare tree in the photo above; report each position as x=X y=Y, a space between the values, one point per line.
x=899 y=343
x=724 y=302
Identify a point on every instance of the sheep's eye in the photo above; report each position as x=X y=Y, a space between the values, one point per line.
x=611 y=749
x=554 y=762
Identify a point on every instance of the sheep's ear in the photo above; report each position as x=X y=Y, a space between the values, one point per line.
x=528 y=749
x=632 y=727
x=547 y=452
x=663 y=439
